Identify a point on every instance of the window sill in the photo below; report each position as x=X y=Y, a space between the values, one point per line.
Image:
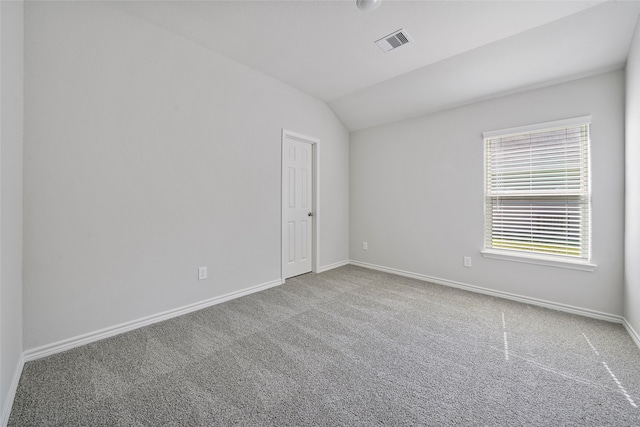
x=538 y=260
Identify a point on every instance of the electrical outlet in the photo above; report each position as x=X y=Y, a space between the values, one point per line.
x=202 y=273
x=467 y=261
x=365 y=245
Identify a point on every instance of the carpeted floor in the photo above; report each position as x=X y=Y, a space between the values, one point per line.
x=351 y=347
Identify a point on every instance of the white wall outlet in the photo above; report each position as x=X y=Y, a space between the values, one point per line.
x=202 y=273
x=365 y=245
x=467 y=261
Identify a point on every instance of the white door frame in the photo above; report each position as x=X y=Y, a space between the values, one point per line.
x=315 y=197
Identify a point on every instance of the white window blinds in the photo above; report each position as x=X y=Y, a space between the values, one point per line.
x=537 y=189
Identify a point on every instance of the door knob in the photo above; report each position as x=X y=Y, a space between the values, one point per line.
x=310 y=214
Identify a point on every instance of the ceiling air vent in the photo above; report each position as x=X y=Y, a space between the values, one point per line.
x=393 y=40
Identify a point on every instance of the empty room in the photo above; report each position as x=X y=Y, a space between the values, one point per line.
x=354 y=212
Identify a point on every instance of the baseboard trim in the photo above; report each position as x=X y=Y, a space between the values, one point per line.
x=68 y=344
x=332 y=266
x=500 y=294
x=634 y=334
x=11 y=395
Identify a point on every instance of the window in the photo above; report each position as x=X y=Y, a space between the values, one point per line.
x=537 y=198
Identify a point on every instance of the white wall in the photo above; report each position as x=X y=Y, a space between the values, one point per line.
x=417 y=194
x=632 y=188
x=146 y=156
x=11 y=119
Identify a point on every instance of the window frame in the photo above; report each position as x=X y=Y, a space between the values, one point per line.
x=531 y=257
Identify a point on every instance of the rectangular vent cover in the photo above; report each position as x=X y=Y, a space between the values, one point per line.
x=393 y=40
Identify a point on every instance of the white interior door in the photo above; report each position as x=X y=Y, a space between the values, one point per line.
x=297 y=198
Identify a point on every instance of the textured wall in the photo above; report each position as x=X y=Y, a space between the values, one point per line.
x=146 y=156
x=632 y=187
x=11 y=108
x=417 y=194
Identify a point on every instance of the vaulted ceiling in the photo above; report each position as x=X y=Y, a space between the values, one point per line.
x=460 y=51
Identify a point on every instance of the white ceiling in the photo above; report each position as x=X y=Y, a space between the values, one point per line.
x=462 y=51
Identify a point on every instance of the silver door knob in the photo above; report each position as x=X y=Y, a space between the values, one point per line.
x=310 y=214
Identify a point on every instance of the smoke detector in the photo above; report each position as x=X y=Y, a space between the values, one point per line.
x=393 y=40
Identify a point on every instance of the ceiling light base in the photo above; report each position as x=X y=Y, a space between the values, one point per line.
x=368 y=5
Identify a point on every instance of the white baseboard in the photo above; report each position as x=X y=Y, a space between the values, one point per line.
x=634 y=334
x=506 y=295
x=11 y=395
x=67 y=344
x=332 y=266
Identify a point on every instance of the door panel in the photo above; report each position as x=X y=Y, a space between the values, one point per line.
x=298 y=205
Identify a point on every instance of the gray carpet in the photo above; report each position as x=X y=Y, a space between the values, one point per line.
x=351 y=347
